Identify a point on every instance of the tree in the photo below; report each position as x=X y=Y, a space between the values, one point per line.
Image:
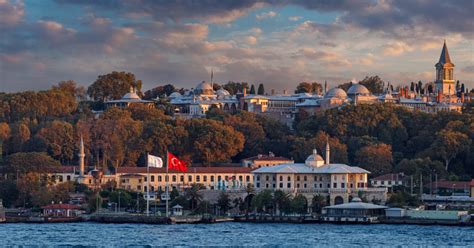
x=159 y=91
x=252 y=90
x=317 y=203
x=59 y=139
x=374 y=84
x=30 y=162
x=262 y=201
x=193 y=195
x=4 y=135
x=113 y=86
x=375 y=158
x=299 y=204
x=223 y=202
x=449 y=144
x=125 y=198
x=235 y=87
x=281 y=200
x=212 y=142
x=261 y=90
x=412 y=87
x=314 y=88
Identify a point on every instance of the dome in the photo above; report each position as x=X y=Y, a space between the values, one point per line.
x=175 y=95
x=132 y=95
x=358 y=89
x=336 y=92
x=222 y=92
x=204 y=86
x=314 y=160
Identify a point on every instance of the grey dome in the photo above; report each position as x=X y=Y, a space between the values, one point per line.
x=336 y=93
x=358 y=89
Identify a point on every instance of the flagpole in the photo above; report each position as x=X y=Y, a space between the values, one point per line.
x=147 y=186
x=167 y=191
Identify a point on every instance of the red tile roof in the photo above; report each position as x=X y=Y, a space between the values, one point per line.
x=472 y=183
x=60 y=206
x=230 y=170
x=65 y=169
x=449 y=184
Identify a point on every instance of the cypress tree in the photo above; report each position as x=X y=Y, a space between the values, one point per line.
x=261 y=90
x=252 y=90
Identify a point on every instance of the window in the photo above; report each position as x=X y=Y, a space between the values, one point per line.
x=289 y=178
x=360 y=177
x=297 y=178
x=144 y=188
x=383 y=182
x=321 y=178
x=68 y=178
x=139 y=180
x=329 y=185
x=343 y=185
x=152 y=188
x=334 y=185
x=60 y=178
x=298 y=185
x=167 y=179
x=281 y=185
x=266 y=185
x=335 y=178
x=212 y=178
x=181 y=178
x=267 y=178
x=258 y=178
x=352 y=185
x=241 y=178
x=315 y=185
x=174 y=178
x=274 y=185
x=139 y=187
x=219 y=178
x=159 y=178
x=305 y=178
x=281 y=178
x=389 y=182
x=305 y=185
x=247 y=178
x=258 y=185
x=315 y=178
x=274 y=178
x=198 y=178
x=190 y=178
x=152 y=178
x=204 y=178
x=288 y=185
x=145 y=179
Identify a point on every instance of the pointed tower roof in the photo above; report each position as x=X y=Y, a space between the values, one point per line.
x=444 y=58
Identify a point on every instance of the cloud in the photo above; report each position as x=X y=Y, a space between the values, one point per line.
x=11 y=13
x=396 y=48
x=266 y=15
x=251 y=40
x=294 y=18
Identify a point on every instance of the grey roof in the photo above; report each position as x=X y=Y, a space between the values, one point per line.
x=444 y=58
x=300 y=168
x=356 y=204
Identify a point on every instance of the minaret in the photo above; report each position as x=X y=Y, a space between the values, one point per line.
x=327 y=155
x=444 y=72
x=81 y=155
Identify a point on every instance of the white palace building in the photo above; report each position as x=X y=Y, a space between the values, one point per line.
x=338 y=182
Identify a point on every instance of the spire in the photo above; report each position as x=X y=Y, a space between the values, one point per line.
x=444 y=58
x=81 y=157
x=327 y=155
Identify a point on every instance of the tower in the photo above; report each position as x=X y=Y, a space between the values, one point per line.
x=327 y=155
x=445 y=73
x=81 y=155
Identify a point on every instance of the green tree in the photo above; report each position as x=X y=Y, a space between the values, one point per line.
x=281 y=200
x=261 y=90
x=113 y=86
x=375 y=158
x=374 y=84
x=252 y=90
x=318 y=203
x=299 y=204
x=193 y=196
x=449 y=144
x=223 y=202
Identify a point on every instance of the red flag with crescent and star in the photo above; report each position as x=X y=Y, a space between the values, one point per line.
x=176 y=164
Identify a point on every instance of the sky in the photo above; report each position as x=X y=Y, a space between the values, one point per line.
x=279 y=43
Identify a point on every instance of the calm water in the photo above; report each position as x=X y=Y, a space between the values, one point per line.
x=232 y=234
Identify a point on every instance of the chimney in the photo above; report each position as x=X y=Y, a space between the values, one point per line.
x=284 y=92
x=327 y=155
x=462 y=97
x=81 y=158
x=273 y=92
x=245 y=91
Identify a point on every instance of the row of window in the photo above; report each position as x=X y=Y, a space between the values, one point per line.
x=316 y=186
x=197 y=178
x=305 y=178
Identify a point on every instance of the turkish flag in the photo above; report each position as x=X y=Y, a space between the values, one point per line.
x=175 y=164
